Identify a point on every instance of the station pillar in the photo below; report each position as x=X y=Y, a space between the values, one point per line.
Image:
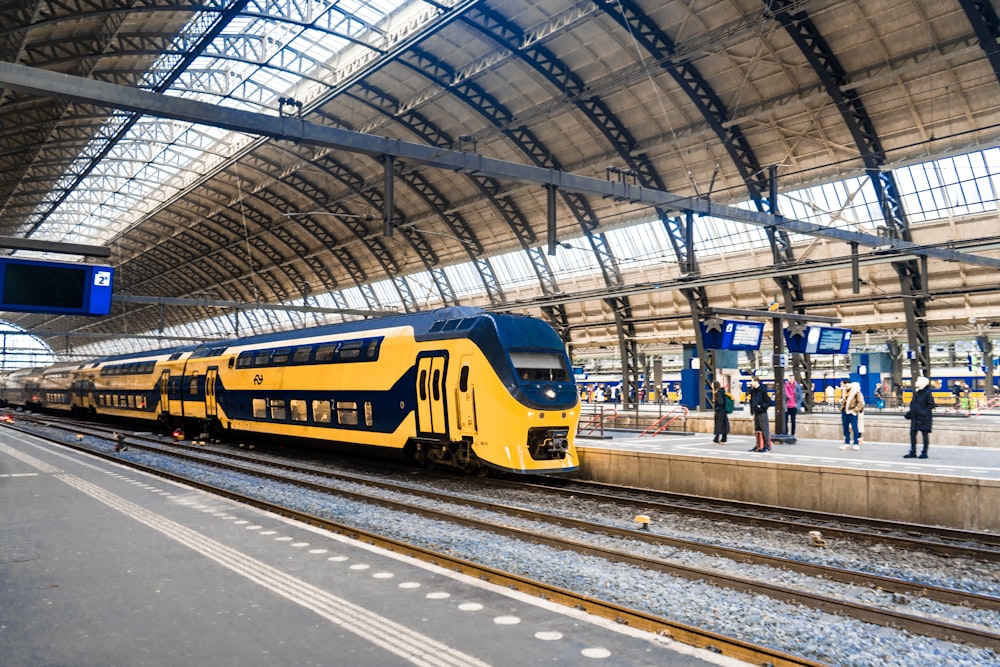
x=868 y=369
x=725 y=364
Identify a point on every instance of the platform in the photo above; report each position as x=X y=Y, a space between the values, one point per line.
x=102 y=565
x=957 y=487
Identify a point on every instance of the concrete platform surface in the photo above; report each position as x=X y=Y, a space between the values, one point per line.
x=101 y=565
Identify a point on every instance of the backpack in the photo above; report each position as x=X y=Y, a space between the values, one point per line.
x=730 y=405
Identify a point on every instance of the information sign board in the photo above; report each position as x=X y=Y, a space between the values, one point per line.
x=31 y=286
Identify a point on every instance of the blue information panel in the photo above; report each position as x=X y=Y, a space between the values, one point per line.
x=733 y=335
x=820 y=340
x=29 y=286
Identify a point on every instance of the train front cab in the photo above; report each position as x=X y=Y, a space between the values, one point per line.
x=508 y=402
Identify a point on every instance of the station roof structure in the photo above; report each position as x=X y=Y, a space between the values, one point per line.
x=616 y=167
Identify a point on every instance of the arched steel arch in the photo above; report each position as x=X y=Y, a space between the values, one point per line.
x=443 y=75
x=510 y=36
x=663 y=50
x=661 y=47
x=161 y=83
x=352 y=221
x=219 y=218
x=986 y=24
x=327 y=240
x=834 y=77
x=434 y=198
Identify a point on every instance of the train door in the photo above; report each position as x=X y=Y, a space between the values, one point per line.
x=165 y=392
x=465 y=399
x=430 y=394
x=211 y=405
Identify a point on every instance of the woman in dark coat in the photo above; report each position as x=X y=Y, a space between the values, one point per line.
x=721 y=418
x=920 y=416
x=760 y=401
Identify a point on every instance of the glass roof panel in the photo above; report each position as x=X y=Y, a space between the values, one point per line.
x=244 y=67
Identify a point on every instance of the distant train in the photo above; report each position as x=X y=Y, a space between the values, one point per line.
x=457 y=386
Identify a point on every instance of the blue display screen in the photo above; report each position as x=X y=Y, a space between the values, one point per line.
x=737 y=335
x=827 y=340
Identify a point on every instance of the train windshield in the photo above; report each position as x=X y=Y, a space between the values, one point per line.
x=540 y=366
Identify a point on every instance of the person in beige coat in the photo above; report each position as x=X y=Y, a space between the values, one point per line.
x=854 y=409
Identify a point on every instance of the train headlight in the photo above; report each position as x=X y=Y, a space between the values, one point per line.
x=550 y=393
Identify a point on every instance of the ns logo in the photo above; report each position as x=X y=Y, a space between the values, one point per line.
x=258 y=379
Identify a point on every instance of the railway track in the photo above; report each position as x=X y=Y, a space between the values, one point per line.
x=588 y=539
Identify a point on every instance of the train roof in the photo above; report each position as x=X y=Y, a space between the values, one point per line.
x=422 y=323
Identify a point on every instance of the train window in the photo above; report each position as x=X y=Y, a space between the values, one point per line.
x=245 y=360
x=321 y=412
x=540 y=366
x=277 y=409
x=232 y=361
x=193 y=386
x=372 y=351
x=463 y=379
x=260 y=408
x=423 y=385
x=369 y=420
x=140 y=402
x=281 y=355
x=261 y=358
x=298 y=410
x=301 y=355
x=436 y=385
x=325 y=352
x=350 y=350
x=131 y=400
x=347 y=413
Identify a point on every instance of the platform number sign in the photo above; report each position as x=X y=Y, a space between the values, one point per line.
x=36 y=286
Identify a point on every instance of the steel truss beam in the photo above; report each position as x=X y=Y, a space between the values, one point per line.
x=39 y=82
x=835 y=79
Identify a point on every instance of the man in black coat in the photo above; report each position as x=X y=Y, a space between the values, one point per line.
x=920 y=416
x=721 y=425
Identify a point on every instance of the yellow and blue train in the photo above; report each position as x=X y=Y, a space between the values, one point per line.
x=457 y=386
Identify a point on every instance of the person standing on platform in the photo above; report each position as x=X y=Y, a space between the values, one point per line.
x=854 y=407
x=719 y=404
x=760 y=401
x=844 y=386
x=920 y=416
x=793 y=401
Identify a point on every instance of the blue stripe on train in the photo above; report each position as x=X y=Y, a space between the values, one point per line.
x=389 y=408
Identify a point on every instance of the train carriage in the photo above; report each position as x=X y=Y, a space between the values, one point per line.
x=126 y=386
x=54 y=387
x=17 y=386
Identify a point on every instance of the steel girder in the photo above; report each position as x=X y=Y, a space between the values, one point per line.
x=831 y=73
x=486 y=105
x=986 y=25
x=558 y=74
x=434 y=198
x=662 y=49
x=126 y=120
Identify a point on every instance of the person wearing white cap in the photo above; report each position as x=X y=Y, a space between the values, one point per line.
x=920 y=416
